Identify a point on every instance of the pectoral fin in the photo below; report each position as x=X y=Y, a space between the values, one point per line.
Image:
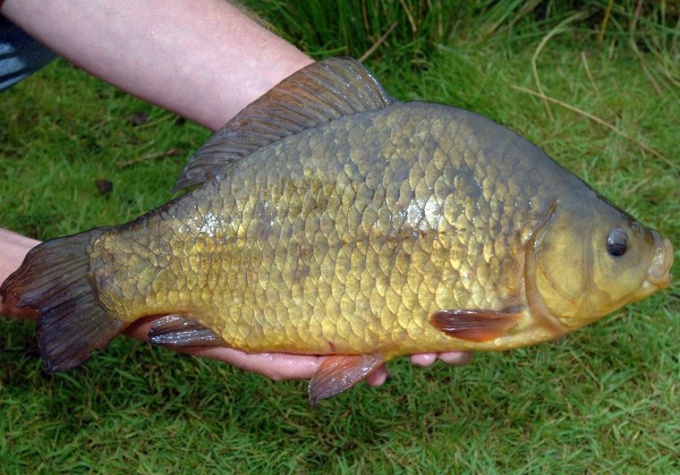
x=181 y=331
x=340 y=372
x=477 y=325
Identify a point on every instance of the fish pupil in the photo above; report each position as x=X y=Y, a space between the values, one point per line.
x=617 y=242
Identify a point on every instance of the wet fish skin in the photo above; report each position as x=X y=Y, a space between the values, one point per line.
x=331 y=219
x=309 y=243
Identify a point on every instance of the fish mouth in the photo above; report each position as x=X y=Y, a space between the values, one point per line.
x=659 y=274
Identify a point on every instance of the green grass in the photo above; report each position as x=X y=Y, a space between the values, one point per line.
x=602 y=400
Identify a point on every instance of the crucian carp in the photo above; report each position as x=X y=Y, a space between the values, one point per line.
x=328 y=218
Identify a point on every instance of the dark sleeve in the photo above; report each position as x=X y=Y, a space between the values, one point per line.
x=20 y=54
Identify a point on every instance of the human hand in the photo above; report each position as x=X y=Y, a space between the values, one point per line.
x=282 y=366
x=275 y=366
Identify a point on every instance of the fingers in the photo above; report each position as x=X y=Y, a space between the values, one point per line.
x=453 y=358
x=280 y=366
x=456 y=358
x=275 y=366
x=423 y=359
x=377 y=377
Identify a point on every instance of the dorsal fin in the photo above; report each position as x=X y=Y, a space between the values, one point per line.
x=316 y=94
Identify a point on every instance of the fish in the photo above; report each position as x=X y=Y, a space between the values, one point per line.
x=329 y=218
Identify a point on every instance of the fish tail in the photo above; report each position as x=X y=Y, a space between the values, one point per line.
x=55 y=282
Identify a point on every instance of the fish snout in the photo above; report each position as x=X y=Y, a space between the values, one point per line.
x=659 y=275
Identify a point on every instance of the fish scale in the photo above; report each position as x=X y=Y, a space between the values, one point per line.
x=329 y=219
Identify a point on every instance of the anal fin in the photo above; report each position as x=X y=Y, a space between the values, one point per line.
x=181 y=331
x=476 y=325
x=338 y=373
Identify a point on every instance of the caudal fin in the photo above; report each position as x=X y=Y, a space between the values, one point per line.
x=55 y=281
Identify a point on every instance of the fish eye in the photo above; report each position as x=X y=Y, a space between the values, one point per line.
x=617 y=242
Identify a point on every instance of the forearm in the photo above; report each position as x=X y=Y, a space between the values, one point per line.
x=187 y=56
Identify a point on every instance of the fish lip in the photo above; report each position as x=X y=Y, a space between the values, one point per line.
x=659 y=275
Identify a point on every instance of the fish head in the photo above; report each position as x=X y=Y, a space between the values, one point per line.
x=590 y=258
